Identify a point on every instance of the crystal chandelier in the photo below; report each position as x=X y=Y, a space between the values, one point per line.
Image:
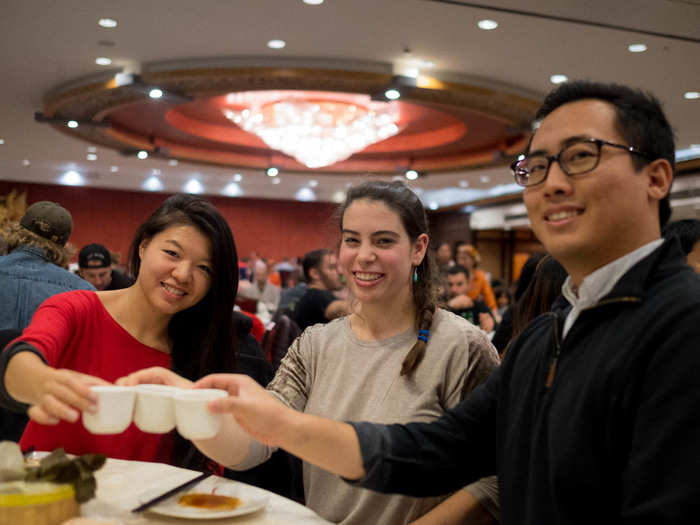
x=317 y=131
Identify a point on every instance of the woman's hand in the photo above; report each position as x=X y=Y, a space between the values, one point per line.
x=62 y=395
x=257 y=411
x=156 y=375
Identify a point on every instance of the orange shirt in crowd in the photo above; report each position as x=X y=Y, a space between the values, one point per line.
x=479 y=288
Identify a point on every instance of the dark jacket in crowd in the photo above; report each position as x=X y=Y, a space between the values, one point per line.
x=613 y=439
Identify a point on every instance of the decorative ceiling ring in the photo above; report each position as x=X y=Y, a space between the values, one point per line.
x=444 y=126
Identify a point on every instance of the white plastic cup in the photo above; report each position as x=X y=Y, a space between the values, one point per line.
x=194 y=420
x=155 y=409
x=115 y=408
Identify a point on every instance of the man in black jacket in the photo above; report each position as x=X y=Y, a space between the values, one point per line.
x=593 y=416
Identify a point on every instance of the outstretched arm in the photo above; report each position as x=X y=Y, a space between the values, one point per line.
x=314 y=439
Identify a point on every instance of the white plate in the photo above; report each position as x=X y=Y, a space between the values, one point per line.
x=252 y=501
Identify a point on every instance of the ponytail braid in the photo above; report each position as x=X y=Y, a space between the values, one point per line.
x=415 y=355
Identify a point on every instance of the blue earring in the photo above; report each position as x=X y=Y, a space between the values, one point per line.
x=415 y=275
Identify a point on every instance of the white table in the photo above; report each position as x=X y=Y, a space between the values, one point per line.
x=124 y=485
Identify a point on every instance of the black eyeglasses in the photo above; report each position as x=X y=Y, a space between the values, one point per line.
x=580 y=156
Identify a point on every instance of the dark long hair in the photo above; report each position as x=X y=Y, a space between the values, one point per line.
x=543 y=289
x=410 y=210
x=203 y=336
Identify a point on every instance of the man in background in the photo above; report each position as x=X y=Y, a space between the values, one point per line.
x=33 y=270
x=473 y=310
x=95 y=266
x=319 y=304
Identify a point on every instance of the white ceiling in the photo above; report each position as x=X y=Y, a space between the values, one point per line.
x=46 y=44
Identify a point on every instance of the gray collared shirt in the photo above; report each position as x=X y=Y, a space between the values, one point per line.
x=598 y=284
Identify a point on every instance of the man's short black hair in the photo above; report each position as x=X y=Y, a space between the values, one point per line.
x=640 y=121
x=458 y=268
x=687 y=231
x=313 y=259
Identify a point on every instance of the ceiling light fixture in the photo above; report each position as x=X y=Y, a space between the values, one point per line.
x=433 y=205
x=411 y=174
x=464 y=184
x=313 y=183
x=91 y=156
x=103 y=61
x=305 y=194
x=276 y=44
x=691 y=95
x=558 y=79
x=142 y=154
x=237 y=177
x=152 y=183
x=72 y=178
x=155 y=171
x=313 y=2
x=114 y=169
x=26 y=162
x=193 y=186
x=107 y=22
x=317 y=133
x=2 y=141
x=637 y=48
x=392 y=94
x=485 y=179
x=487 y=25
x=172 y=162
x=232 y=190
x=155 y=93
x=272 y=171
x=72 y=124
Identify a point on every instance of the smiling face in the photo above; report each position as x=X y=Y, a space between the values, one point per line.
x=588 y=220
x=376 y=255
x=176 y=268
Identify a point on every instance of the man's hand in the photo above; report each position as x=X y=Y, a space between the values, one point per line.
x=460 y=301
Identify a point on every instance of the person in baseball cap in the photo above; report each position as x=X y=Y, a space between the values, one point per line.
x=34 y=268
x=95 y=266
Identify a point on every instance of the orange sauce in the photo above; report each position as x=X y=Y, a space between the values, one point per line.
x=209 y=501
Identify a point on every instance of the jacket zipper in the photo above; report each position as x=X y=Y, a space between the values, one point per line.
x=557 y=343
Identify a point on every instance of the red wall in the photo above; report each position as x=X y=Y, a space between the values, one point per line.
x=273 y=228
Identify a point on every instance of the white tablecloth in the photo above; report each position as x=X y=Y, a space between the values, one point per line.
x=124 y=485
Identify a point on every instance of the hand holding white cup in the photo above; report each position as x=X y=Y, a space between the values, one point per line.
x=194 y=420
x=115 y=407
x=155 y=408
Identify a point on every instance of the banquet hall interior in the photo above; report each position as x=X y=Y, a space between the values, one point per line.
x=273 y=108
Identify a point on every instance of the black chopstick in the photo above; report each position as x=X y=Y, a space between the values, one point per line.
x=172 y=491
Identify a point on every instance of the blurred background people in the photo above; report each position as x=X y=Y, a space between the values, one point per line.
x=473 y=310
x=479 y=288
x=34 y=268
x=95 y=266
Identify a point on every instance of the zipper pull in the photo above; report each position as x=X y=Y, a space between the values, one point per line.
x=552 y=371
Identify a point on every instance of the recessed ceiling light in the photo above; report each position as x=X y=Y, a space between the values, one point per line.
x=428 y=63
x=237 y=177
x=103 y=61
x=313 y=2
x=411 y=174
x=172 y=162
x=276 y=44
x=155 y=93
x=433 y=205
x=691 y=95
x=26 y=162
x=558 y=79
x=392 y=94
x=338 y=196
x=155 y=171
x=464 y=184
x=487 y=25
x=232 y=190
x=107 y=22
x=276 y=180
x=305 y=194
x=485 y=179
x=2 y=141
x=637 y=48
x=142 y=154
x=114 y=169
x=152 y=183
x=72 y=178
x=272 y=171
x=193 y=186
x=72 y=124
x=91 y=156
x=313 y=183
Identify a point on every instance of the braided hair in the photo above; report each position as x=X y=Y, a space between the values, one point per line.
x=399 y=198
